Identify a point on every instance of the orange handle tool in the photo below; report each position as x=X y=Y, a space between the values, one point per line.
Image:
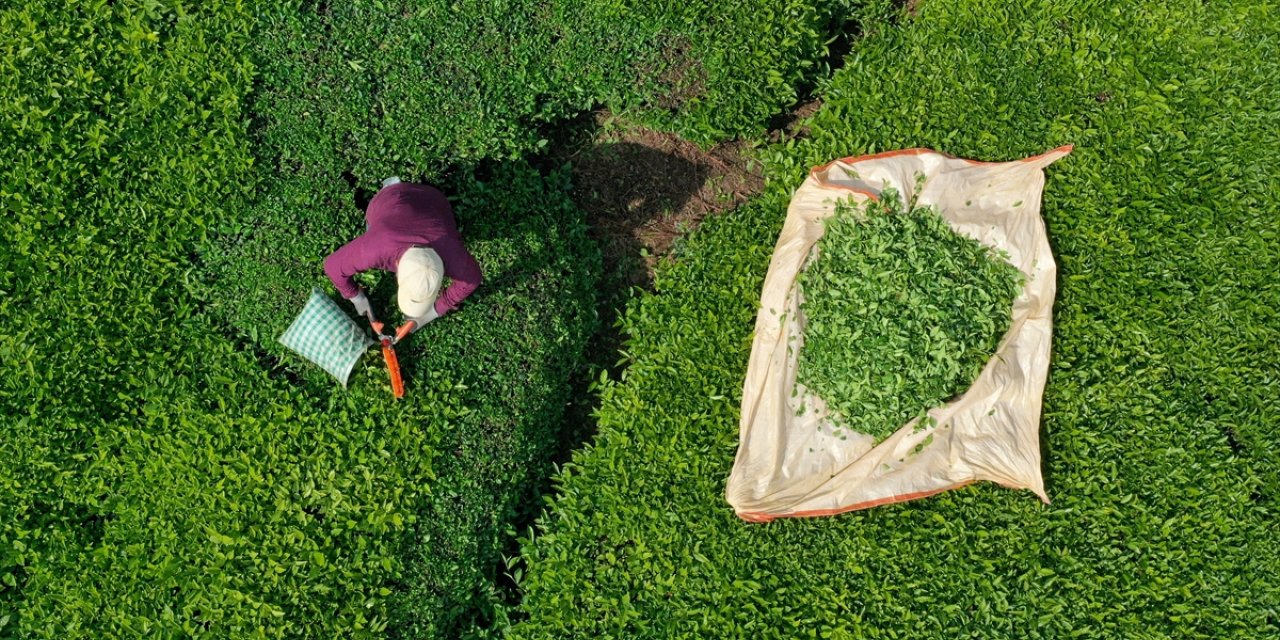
x=405 y=329
x=393 y=366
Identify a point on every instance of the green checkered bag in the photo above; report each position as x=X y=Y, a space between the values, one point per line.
x=327 y=336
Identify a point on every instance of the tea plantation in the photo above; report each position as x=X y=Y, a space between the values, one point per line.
x=1159 y=434
x=174 y=174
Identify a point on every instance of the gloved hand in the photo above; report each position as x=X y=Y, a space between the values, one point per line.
x=425 y=318
x=361 y=303
x=413 y=324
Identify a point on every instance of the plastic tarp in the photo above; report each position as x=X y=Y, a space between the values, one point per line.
x=790 y=462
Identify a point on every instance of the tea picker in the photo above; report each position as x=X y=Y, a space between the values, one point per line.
x=410 y=230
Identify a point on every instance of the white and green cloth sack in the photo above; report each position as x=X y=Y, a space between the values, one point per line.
x=324 y=334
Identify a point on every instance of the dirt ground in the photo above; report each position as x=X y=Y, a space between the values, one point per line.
x=642 y=189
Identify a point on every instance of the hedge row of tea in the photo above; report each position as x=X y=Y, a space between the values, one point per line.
x=122 y=136
x=325 y=117
x=349 y=93
x=417 y=86
x=1159 y=443
x=174 y=471
x=164 y=475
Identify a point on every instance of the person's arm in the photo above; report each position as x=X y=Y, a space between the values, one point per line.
x=462 y=269
x=342 y=265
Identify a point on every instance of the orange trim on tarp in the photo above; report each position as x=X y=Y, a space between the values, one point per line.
x=1064 y=149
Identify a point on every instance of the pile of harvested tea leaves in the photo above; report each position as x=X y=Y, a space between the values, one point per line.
x=902 y=313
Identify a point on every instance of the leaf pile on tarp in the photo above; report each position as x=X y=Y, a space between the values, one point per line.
x=901 y=313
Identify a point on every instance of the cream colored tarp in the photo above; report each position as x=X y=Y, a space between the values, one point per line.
x=791 y=465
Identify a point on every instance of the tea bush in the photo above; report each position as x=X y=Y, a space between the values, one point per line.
x=706 y=69
x=402 y=87
x=1157 y=442
x=416 y=86
x=507 y=354
x=123 y=129
x=334 y=116
x=166 y=476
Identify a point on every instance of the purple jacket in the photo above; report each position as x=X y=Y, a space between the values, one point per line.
x=402 y=216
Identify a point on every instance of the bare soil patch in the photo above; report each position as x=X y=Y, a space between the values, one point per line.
x=641 y=189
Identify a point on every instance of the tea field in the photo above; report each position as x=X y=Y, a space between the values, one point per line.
x=175 y=172
x=174 y=175
x=1159 y=440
